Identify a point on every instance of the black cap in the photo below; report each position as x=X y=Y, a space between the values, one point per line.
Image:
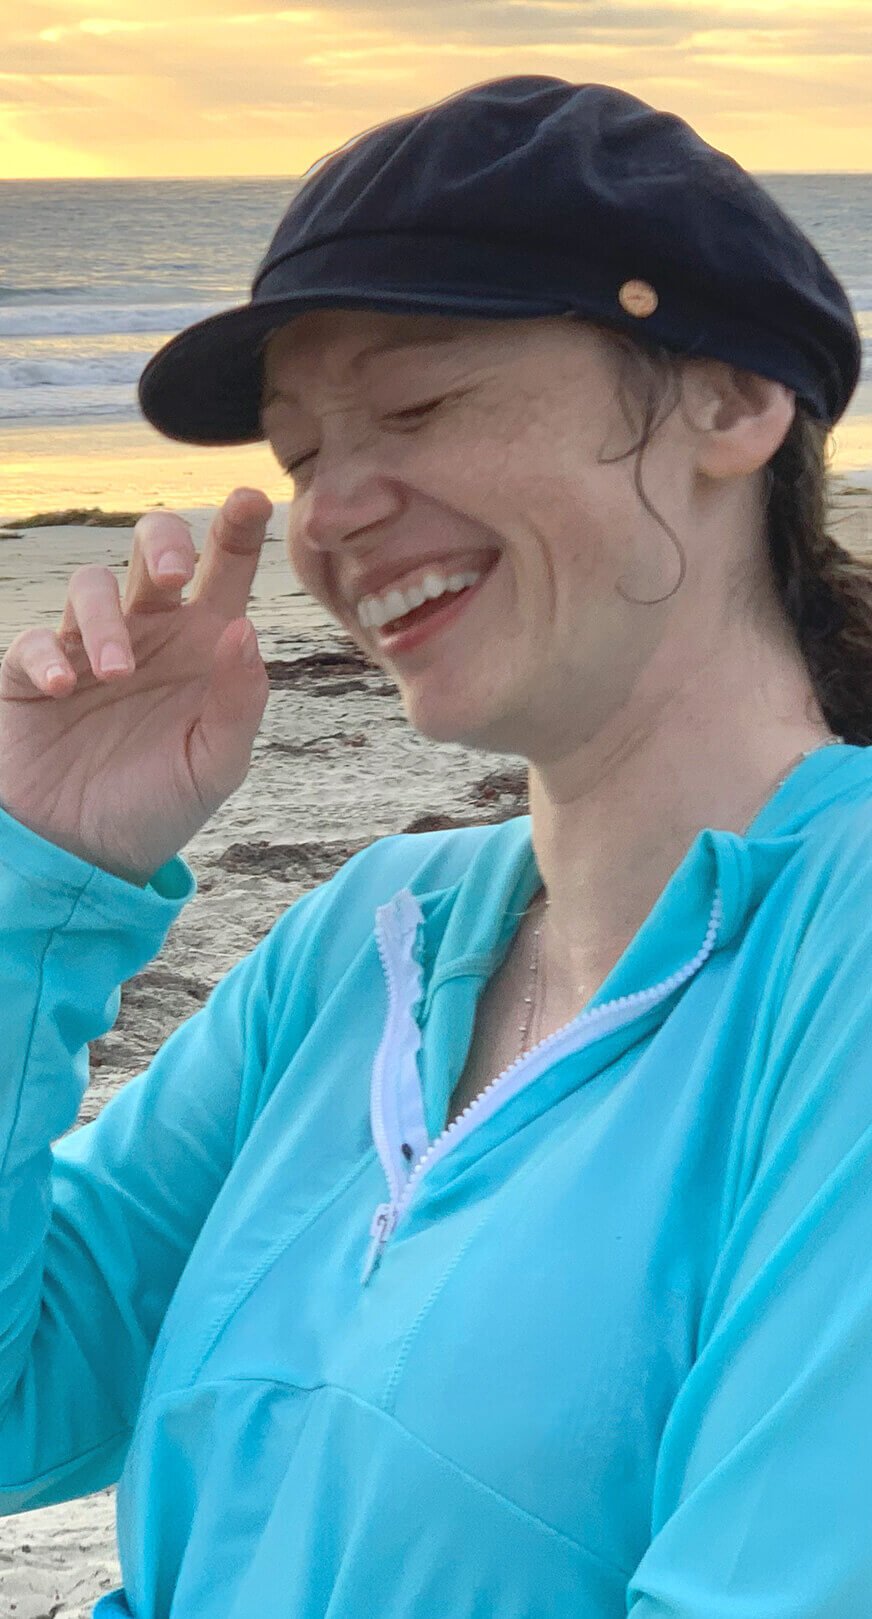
x=522 y=197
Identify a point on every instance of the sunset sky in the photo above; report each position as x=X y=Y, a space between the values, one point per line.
x=210 y=87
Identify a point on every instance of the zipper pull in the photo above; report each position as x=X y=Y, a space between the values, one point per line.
x=380 y=1229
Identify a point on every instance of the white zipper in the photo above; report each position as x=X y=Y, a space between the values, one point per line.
x=596 y=1022
x=396 y=926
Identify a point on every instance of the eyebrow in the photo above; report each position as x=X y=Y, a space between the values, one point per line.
x=389 y=345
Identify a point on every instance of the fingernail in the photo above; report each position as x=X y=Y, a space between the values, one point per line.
x=172 y=562
x=113 y=659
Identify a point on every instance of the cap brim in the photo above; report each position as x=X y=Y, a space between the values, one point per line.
x=205 y=385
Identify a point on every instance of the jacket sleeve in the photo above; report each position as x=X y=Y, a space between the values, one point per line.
x=95 y=1232
x=763 y=1495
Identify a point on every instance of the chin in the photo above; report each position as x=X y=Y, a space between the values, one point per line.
x=460 y=723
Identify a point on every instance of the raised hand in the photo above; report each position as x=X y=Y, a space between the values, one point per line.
x=122 y=732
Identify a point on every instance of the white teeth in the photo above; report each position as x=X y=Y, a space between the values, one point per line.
x=375 y=611
x=393 y=604
x=433 y=585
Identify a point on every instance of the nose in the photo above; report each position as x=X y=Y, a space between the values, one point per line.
x=342 y=500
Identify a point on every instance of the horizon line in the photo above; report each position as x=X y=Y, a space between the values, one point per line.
x=168 y=179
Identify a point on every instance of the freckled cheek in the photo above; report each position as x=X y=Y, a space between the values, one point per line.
x=573 y=569
x=477 y=476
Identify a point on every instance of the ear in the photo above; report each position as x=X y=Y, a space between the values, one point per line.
x=739 y=418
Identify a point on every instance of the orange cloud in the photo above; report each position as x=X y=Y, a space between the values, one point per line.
x=206 y=87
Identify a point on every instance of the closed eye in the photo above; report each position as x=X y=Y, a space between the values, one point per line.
x=415 y=410
x=413 y=413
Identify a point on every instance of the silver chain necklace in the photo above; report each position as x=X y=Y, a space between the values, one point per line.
x=525 y=1028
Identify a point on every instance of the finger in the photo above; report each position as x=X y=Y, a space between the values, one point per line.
x=93 y=618
x=231 y=553
x=162 y=560
x=221 y=742
x=35 y=665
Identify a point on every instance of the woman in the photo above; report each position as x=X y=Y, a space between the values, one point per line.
x=497 y=1239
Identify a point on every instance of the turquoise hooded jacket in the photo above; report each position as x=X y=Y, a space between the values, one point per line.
x=603 y=1347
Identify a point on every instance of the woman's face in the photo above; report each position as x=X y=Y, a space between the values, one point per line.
x=446 y=446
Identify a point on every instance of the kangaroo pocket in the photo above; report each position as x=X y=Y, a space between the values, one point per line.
x=280 y=1501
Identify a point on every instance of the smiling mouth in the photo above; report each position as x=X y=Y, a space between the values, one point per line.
x=419 y=615
x=403 y=633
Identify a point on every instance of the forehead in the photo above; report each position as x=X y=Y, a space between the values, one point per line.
x=325 y=348
x=338 y=344
x=332 y=338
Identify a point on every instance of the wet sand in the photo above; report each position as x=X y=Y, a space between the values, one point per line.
x=335 y=765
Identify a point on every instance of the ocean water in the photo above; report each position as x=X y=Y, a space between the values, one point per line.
x=95 y=276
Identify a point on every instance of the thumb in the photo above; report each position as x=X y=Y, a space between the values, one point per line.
x=223 y=737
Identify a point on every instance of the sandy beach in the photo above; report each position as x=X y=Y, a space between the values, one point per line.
x=335 y=765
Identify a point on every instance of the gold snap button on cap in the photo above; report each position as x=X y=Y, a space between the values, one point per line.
x=638 y=298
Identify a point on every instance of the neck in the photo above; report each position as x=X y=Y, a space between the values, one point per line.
x=612 y=821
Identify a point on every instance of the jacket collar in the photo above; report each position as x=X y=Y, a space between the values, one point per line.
x=465 y=930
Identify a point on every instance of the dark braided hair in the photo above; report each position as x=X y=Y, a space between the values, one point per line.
x=824 y=589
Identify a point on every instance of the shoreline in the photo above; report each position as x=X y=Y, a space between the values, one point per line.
x=53 y=465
